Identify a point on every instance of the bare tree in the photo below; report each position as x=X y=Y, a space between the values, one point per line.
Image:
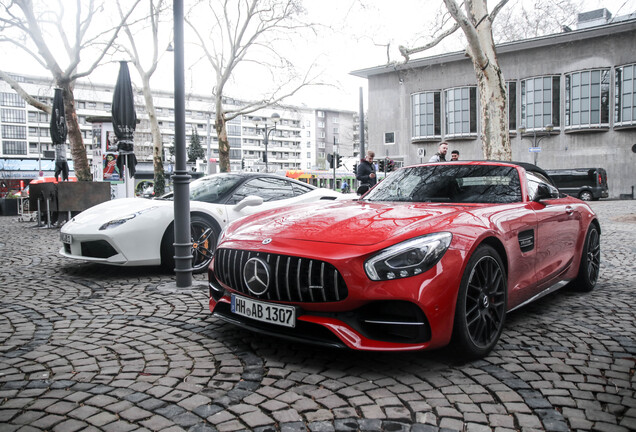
x=41 y=30
x=248 y=32
x=523 y=20
x=145 y=30
x=476 y=23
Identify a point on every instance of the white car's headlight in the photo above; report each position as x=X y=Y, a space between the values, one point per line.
x=122 y=220
x=409 y=258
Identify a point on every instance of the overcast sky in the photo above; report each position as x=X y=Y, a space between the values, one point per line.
x=358 y=31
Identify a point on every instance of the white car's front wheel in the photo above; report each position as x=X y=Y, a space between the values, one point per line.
x=204 y=234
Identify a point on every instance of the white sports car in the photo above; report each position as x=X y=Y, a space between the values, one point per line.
x=139 y=231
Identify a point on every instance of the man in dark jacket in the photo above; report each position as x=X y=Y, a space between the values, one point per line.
x=366 y=173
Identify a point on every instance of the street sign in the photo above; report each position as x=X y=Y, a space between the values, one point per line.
x=421 y=152
x=534 y=149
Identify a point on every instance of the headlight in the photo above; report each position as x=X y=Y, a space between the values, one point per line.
x=122 y=220
x=408 y=258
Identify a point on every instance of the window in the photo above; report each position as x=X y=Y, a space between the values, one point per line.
x=320 y=124
x=512 y=105
x=321 y=145
x=587 y=99
x=335 y=130
x=540 y=102
x=14 y=132
x=322 y=135
x=309 y=155
x=625 y=96
x=335 y=119
x=33 y=116
x=13 y=115
x=14 y=147
x=270 y=189
x=92 y=104
x=460 y=109
x=426 y=115
x=308 y=133
x=389 y=138
x=108 y=106
x=11 y=100
x=308 y=144
x=81 y=105
x=320 y=113
x=233 y=129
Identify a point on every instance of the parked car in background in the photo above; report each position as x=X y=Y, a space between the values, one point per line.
x=138 y=231
x=434 y=254
x=588 y=184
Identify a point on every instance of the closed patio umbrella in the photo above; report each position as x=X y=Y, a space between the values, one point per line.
x=58 y=131
x=124 y=122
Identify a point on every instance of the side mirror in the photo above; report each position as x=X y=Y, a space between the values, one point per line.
x=544 y=191
x=248 y=201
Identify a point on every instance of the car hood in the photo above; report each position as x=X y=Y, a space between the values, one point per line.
x=347 y=222
x=117 y=208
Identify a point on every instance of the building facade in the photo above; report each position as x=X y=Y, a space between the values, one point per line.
x=25 y=136
x=571 y=102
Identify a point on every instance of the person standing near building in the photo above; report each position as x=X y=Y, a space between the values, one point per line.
x=440 y=156
x=455 y=155
x=366 y=173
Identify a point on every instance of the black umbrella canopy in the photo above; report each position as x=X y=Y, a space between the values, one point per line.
x=124 y=119
x=58 y=127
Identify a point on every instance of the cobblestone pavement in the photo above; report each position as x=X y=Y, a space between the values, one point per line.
x=86 y=347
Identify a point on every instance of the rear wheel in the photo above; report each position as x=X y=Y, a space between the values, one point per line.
x=481 y=304
x=586 y=195
x=590 y=261
x=203 y=234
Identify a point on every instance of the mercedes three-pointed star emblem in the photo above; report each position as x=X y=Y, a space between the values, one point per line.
x=256 y=275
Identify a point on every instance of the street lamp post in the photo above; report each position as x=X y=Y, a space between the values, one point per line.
x=275 y=119
x=537 y=137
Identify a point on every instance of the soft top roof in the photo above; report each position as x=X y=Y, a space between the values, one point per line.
x=525 y=165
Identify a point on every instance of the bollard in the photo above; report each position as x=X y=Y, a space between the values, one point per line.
x=48 y=212
x=39 y=214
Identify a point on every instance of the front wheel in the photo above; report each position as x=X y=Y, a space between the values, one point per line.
x=204 y=235
x=481 y=304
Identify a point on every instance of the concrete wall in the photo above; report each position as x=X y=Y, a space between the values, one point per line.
x=390 y=106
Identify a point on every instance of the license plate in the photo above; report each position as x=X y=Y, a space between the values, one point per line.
x=267 y=312
x=66 y=238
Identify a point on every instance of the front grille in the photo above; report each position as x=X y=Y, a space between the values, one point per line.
x=292 y=279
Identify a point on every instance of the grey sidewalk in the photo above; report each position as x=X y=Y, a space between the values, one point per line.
x=86 y=347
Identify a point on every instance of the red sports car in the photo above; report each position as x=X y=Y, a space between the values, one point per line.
x=435 y=254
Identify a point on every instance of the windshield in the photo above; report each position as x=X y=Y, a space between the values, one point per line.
x=450 y=183
x=212 y=189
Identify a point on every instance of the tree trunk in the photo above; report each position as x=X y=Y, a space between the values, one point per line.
x=495 y=136
x=157 y=143
x=78 y=150
x=221 y=131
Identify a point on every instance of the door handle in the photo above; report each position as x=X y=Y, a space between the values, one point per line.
x=569 y=210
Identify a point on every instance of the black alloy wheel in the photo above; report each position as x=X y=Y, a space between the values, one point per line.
x=204 y=234
x=204 y=239
x=589 y=268
x=481 y=304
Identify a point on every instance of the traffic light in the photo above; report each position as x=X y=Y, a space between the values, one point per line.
x=381 y=165
x=330 y=160
x=390 y=165
x=338 y=161
x=355 y=169
x=242 y=163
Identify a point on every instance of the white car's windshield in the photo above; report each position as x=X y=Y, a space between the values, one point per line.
x=211 y=189
x=450 y=183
